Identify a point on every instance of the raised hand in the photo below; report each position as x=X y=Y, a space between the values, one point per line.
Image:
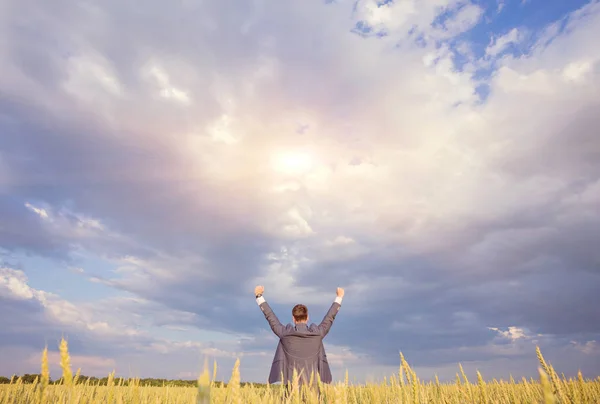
x=340 y=292
x=259 y=290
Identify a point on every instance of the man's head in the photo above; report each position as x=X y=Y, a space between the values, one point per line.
x=300 y=314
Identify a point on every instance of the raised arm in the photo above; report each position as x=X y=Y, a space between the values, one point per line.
x=327 y=322
x=274 y=322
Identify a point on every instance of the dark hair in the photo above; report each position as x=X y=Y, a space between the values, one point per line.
x=300 y=312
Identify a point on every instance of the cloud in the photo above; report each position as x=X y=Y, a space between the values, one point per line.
x=405 y=19
x=501 y=5
x=113 y=332
x=498 y=45
x=588 y=348
x=513 y=333
x=168 y=165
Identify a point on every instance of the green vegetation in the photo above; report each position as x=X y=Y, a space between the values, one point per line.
x=404 y=387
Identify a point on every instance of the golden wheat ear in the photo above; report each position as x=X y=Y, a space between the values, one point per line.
x=204 y=387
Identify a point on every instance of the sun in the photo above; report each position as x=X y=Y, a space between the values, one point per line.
x=292 y=162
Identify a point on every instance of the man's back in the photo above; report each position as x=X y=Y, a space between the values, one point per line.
x=302 y=348
x=300 y=345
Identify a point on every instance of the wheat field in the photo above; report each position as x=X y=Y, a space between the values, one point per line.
x=403 y=387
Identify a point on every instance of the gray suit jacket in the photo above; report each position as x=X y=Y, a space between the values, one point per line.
x=300 y=347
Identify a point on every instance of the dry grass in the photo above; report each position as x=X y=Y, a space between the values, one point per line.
x=404 y=387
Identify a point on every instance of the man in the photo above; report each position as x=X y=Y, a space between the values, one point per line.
x=300 y=344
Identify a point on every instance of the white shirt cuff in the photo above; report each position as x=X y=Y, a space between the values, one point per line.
x=338 y=300
x=260 y=300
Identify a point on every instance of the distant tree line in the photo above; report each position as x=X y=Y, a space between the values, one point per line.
x=82 y=379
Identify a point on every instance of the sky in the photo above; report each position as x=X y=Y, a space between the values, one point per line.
x=438 y=159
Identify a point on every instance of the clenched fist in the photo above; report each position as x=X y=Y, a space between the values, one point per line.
x=340 y=292
x=259 y=290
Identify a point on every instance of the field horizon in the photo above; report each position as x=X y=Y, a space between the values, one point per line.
x=102 y=378
x=423 y=176
x=403 y=387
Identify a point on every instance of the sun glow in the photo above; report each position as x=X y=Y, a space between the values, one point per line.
x=293 y=163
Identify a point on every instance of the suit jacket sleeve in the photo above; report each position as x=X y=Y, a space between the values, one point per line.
x=274 y=322
x=327 y=322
